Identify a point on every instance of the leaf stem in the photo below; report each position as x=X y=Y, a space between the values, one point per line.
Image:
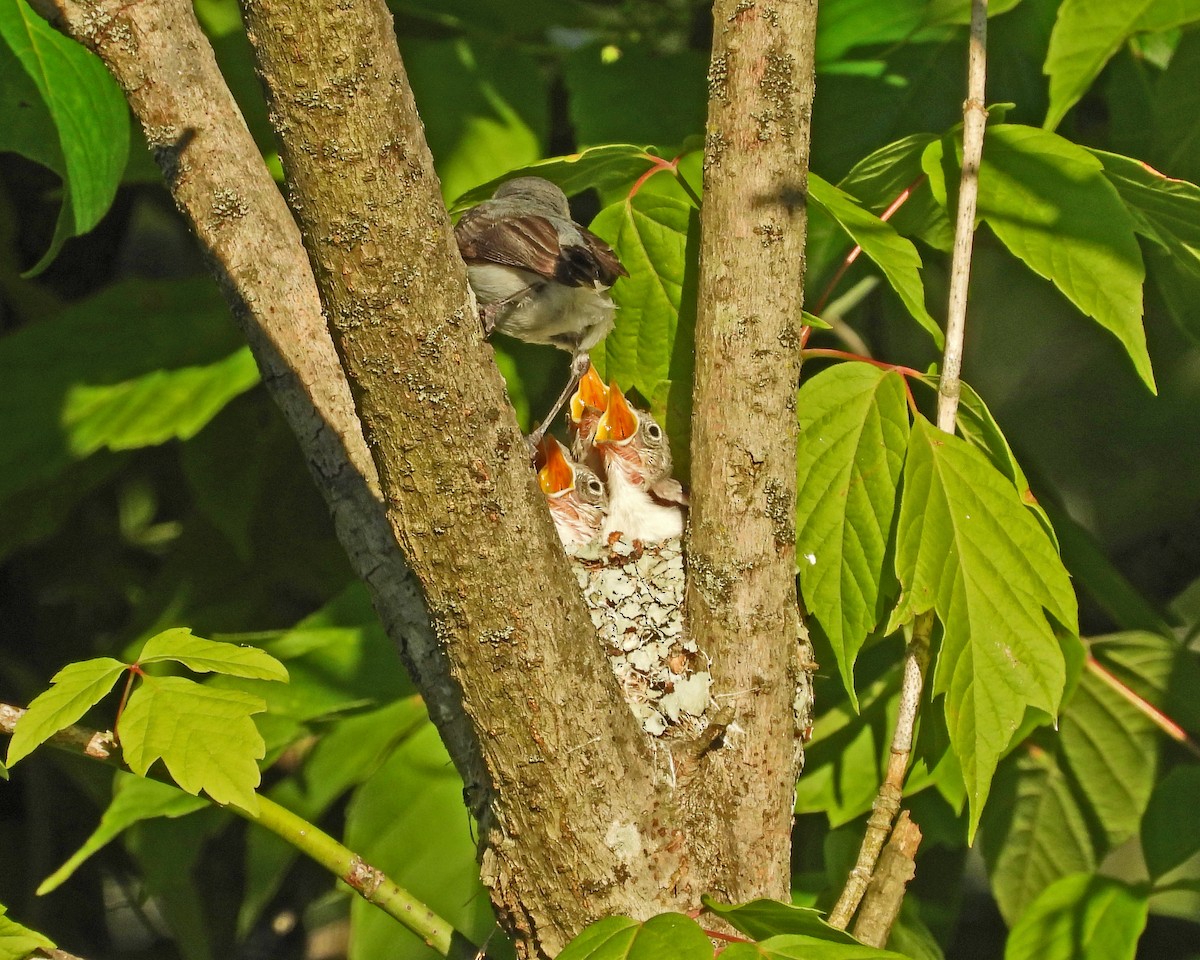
x=1156 y=716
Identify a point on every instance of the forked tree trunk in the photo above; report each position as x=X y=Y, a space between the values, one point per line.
x=579 y=817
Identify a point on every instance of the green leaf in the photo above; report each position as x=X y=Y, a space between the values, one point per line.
x=1049 y=202
x=883 y=177
x=656 y=237
x=854 y=430
x=409 y=820
x=76 y=688
x=980 y=429
x=601 y=168
x=1110 y=748
x=17 y=941
x=1171 y=831
x=1166 y=212
x=599 y=92
x=669 y=935
x=134 y=799
x=795 y=947
x=480 y=107
x=892 y=253
x=69 y=115
x=210 y=656
x=1087 y=34
x=204 y=736
x=138 y=363
x=969 y=550
x=763 y=918
x=1080 y=917
x=1034 y=831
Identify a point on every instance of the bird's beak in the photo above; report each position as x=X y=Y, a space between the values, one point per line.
x=556 y=475
x=619 y=422
x=591 y=392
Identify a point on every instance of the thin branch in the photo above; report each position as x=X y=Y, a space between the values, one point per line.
x=370 y=883
x=916 y=657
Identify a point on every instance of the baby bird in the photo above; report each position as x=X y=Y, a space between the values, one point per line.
x=577 y=498
x=538 y=275
x=588 y=404
x=645 y=502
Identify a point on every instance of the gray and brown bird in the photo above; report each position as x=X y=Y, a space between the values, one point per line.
x=538 y=275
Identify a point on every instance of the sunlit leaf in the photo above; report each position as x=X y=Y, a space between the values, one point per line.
x=854 y=430
x=1049 y=203
x=75 y=689
x=795 y=947
x=669 y=936
x=210 y=656
x=1087 y=34
x=204 y=736
x=893 y=254
x=599 y=168
x=763 y=918
x=969 y=550
x=653 y=338
x=17 y=941
x=139 y=363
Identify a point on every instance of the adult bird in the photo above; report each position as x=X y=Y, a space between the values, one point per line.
x=577 y=498
x=538 y=275
x=645 y=502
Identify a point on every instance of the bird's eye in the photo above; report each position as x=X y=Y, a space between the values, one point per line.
x=653 y=431
x=595 y=487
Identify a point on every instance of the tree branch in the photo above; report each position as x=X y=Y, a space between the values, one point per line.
x=741 y=600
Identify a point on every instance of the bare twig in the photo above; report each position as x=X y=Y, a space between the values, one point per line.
x=916 y=657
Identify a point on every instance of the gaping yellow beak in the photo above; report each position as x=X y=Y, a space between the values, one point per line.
x=619 y=422
x=556 y=474
x=591 y=392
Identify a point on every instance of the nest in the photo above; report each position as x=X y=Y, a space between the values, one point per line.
x=635 y=595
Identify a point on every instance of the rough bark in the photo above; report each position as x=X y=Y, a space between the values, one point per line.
x=165 y=64
x=742 y=604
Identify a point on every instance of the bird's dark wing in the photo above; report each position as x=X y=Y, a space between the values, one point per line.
x=591 y=262
x=528 y=242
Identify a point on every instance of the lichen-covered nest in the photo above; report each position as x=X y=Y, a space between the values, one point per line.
x=635 y=595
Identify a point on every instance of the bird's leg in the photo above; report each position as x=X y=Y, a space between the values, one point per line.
x=579 y=366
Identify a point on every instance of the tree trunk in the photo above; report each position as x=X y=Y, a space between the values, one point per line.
x=741 y=599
